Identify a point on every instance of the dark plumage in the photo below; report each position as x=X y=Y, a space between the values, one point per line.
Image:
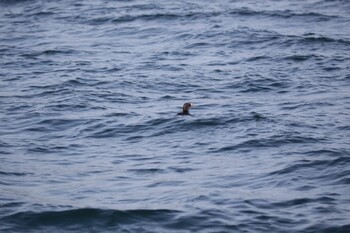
x=185 y=109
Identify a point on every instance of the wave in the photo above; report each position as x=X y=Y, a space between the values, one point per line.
x=50 y=52
x=272 y=142
x=257 y=83
x=311 y=39
x=329 y=171
x=165 y=220
x=14 y=173
x=160 y=15
x=12 y=1
x=245 y=11
x=293 y=203
x=156 y=16
x=88 y=219
x=163 y=125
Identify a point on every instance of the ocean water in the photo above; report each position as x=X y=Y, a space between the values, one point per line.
x=90 y=139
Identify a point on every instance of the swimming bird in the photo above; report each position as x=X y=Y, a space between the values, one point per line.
x=185 y=109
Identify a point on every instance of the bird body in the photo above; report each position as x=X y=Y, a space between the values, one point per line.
x=185 y=109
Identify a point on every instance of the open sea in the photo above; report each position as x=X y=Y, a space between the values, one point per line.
x=90 y=139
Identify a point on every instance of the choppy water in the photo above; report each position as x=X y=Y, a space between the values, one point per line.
x=89 y=136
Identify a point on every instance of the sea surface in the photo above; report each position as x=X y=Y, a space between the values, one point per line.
x=90 y=139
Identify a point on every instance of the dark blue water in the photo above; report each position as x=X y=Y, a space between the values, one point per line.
x=89 y=136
